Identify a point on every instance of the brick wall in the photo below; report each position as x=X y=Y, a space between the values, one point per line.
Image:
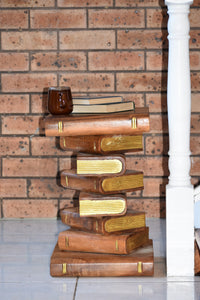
x=99 y=47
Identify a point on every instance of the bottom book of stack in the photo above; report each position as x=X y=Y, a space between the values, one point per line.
x=127 y=251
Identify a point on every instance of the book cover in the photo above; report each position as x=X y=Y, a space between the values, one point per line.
x=81 y=264
x=100 y=165
x=82 y=241
x=130 y=122
x=93 y=205
x=128 y=182
x=103 y=108
x=102 y=144
x=105 y=225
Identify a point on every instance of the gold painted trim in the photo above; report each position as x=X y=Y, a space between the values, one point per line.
x=64 y=268
x=66 y=217
x=64 y=142
x=66 y=181
x=67 y=242
x=139 y=267
x=95 y=147
x=134 y=123
x=102 y=166
x=116 y=245
x=96 y=225
x=60 y=126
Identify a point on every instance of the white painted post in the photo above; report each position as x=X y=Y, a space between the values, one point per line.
x=179 y=191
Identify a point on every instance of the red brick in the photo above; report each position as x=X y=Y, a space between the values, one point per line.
x=60 y=18
x=157 y=145
x=196 y=3
x=87 y=39
x=194 y=17
x=158 y=123
x=22 y=125
x=94 y=82
x=116 y=18
x=195 y=81
x=29 y=40
x=14 y=62
x=27 y=3
x=33 y=167
x=151 y=166
x=195 y=123
x=195 y=102
x=44 y=61
x=84 y=3
x=154 y=208
x=195 y=166
x=66 y=203
x=13 y=19
x=142 y=39
x=194 y=39
x=14 y=103
x=46 y=146
x=39 y=103
x=12 y=188
x=30 y=208
x=48 y=188
x=157 y=18
x=157 y=102
x=136 y=3
x=120 y=60
x=14 y=146
x=141 y=82
x=195 y=144
x=157 y=61
x=36 y=82
x=154 y=187
x=195 y=60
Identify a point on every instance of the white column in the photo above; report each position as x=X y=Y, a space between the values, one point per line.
x=179 y=191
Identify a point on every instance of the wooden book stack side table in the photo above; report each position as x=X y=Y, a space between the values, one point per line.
x=105 y=237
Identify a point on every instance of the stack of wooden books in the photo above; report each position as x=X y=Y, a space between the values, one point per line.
x=105 y=237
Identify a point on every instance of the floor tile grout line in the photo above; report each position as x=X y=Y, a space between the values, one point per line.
x=75 y=289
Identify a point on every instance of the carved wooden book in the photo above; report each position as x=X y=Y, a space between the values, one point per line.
x=130 y=122
x=100 y=165
x=80 y=264
x=105 y=225
x=101 y=205
x=130 y=181
x=196 y=259
x=103 y=108
x=102 y=144
x=96 y=100
x=81 y=241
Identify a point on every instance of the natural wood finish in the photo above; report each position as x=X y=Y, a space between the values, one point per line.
x=100 y=165
x=99 y=205
x=103 y=108
x=105 y=225
x=130 y=181
x=102 y=144
x=134 y=122
x=79 y=264
x=81 y=241
x=96 y=100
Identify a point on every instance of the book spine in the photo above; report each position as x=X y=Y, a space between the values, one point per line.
x=96 y=126
x=86 y=224
x=106 y=269
x=95 y=243
x=83 y=144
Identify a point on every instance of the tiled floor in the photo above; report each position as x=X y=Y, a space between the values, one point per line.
x=25 y=250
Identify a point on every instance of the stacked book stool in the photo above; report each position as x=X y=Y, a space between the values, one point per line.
x=105 y=237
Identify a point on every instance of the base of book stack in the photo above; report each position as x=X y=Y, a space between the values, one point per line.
x=105 y=238
x=79 y=264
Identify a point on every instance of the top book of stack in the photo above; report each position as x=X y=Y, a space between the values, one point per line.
x=126 y=123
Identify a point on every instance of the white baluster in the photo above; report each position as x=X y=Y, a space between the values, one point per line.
x=179 y=191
